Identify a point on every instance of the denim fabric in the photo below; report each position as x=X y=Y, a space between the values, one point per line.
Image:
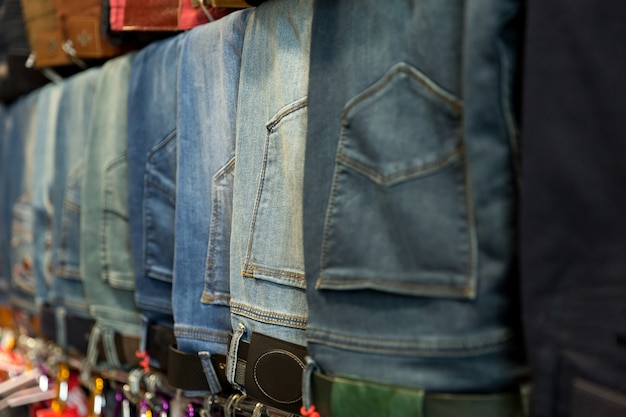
x=75 y=112
x=572 y=223
x=43 y=172
x=208 y=76
x=4 y=174
x=19 y=224
x=409 y=194
x=267 y=266
x=105 y=258
x=151 y=159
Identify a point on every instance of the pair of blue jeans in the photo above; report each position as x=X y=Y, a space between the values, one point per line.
x=43 y=172
x=410 y=194
x=151 y=159
x=105 y=255
x=66 y=291
x=17 y=216
x=208 y=79
x=267 y=277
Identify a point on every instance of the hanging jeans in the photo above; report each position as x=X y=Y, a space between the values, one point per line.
x=267 y=281
x=18 y=159
x=105 y=256
x=573 y=224
x=208 y=77
x=410 y=197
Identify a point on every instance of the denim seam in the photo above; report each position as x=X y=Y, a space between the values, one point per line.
x=268 y=316
x=201 y=334
x=105 y=270
x=324 y=282
x=209 y=293
x=444 y=97
x=155 y=151
x=507 y=111
x=63 y=272
x=250 y=268
x=71 y=206
x=438 y=347
x=274 y=121
x=388 y=180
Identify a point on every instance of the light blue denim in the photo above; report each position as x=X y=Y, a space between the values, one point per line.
x=409 y=194
x=66 y=291
x=208 y=77
x=267 y=278
x=152 y=175
x=19 y=221
x=105 y=257
x=43 y=173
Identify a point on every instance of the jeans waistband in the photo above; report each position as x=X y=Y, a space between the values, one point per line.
x=343 y=397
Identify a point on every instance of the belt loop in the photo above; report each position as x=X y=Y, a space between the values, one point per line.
x=526 y=391
x=110 y=351
x=231 y=360
x=60 y=316
x=145 y=328
x=307 y=375
x=211 y=376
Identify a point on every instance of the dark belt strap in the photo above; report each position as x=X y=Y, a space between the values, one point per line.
x=78 y=330
x=340 y=397
x=185 y=371
x=158 y=340
x=270 y=370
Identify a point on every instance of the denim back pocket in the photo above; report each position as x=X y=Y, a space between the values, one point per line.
x=22 y=273
x=68 y=252
x=158 y=208
x=275 y=246
x=399 y=218
x=216 y=280
x=116 y=264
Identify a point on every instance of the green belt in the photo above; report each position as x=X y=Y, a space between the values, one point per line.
x=342 y=397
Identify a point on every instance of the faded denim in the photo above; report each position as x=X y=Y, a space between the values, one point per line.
x=66 y=291
x=18 y=209
x=267 y=267
x=43 y=173
x=208 y=77
x=105 y=257
x=5 y=279
x=152 y=175
x=410 y=194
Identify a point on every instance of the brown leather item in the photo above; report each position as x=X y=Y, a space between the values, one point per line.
x=238 y=4
x=44 y=33
x=80 y=23
x=150 y=15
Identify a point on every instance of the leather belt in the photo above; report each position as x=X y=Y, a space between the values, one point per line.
x=158 y=340
x=340 y=397
x=270 y=370
x=185 y=371
x=78 y=330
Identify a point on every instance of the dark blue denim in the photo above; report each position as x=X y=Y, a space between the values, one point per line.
x=573 y=224
x=410 y=194
x=151 y=156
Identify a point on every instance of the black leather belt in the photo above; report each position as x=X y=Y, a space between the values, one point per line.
x=185 y=371
x=158 y=340
x=270 y=371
